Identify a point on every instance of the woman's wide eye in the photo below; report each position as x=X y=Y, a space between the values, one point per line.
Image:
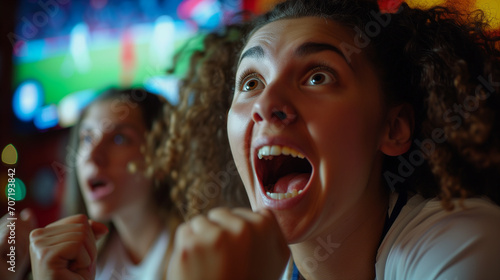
x=252 y=84
x=86 y=138
x=319 y=78
x=120 y=139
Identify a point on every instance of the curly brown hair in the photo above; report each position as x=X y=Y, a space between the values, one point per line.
x=196 y=152
x=445 y=64
x=452 y=62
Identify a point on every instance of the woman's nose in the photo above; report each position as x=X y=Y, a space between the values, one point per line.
x=97 y=153
x=273 y=106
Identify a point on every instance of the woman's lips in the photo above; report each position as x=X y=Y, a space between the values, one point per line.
x=99 y=188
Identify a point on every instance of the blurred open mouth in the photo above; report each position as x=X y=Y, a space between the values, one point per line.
x=99 y=188
x=282 y=171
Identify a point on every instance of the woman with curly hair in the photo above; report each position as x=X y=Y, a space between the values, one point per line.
x=109 y=182
x=368 y=144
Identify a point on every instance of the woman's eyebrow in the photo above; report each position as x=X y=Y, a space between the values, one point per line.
x=115 y=127
x=312 y=47
x=255 y=52
x=125 y=126
x=303 y=50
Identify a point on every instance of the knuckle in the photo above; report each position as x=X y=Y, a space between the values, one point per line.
x=182 y=234
x=36 y=233
x=223 y=238
x=35 y=244
x=183 y=228
x=80 y=218
x=80 y=227
x=242 y=227
x=217 y=212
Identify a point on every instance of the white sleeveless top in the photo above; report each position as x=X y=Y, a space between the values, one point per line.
x=114 y=264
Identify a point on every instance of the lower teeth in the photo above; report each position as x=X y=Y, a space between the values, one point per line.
x=279 y=196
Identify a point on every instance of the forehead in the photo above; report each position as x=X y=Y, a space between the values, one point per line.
x=286 y=34
x=113 y=111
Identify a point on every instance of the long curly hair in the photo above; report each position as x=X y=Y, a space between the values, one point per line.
x=196 y=152
x=446 y=65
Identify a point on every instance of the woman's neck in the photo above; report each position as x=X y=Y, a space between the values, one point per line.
x=138 y=231
x=349 y=254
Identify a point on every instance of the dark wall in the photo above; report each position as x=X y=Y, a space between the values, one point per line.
x=37 y=151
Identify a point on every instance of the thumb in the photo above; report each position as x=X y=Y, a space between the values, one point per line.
x=99 y=229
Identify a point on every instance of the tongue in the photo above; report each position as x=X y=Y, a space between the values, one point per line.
x=290 y=182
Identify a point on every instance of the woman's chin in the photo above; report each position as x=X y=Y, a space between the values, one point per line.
x=99 y=215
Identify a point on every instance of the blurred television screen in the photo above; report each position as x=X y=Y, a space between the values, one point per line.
x=67 y=51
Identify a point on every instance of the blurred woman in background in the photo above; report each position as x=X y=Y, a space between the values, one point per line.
x=111 y=185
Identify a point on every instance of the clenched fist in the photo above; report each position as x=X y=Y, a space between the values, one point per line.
x=229 y=244
x=66 y=249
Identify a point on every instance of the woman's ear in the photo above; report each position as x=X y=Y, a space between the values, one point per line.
x=398 y=131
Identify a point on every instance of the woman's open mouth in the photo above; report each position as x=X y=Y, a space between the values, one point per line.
x=282 y=171
x=99 y=188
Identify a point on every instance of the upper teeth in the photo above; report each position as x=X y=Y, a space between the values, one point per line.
x=276 y=150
